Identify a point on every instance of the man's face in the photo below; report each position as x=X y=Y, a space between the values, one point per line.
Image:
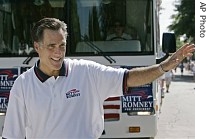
x=118 y=29
x=51 y=51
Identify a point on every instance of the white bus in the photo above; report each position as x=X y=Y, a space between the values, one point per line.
x=89 y=23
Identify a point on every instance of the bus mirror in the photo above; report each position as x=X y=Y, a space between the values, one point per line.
x=168 y=43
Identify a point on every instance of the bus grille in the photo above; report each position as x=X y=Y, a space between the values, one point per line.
x=112 y=109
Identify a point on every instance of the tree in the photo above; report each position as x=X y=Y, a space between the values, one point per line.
x=184 y=20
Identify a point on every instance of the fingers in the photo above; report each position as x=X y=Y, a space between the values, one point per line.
x=188 y=50
x=187 y=47
x=183 y=47
x=189 y=55
x=185 y=51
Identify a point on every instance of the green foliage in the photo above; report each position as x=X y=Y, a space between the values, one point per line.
x=184 y=20
x=179 y=43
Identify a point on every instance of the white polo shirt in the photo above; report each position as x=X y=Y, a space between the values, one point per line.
x=68 y=107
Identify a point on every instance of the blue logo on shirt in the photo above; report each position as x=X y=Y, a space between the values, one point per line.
x=73 y=93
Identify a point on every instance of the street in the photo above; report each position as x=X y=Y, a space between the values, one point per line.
x=177 y=118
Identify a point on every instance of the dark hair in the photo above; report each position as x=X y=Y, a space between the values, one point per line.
x=47 y=23
x=119 y=22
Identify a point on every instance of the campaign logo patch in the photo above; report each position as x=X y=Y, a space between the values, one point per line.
x=7 y=78
x=73 y=93
x=4 y=99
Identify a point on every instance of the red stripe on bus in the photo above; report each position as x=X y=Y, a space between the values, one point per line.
x=112 y=98
x=111 y=106
x=111 y=115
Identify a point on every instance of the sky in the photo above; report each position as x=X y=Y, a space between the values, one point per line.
x=166 y=12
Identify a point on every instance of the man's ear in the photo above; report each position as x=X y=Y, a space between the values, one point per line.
x=36 y=46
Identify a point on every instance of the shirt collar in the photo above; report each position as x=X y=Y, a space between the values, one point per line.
x=43 y=77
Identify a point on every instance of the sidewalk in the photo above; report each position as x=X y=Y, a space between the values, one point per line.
x=177 y=118
x=186 y=76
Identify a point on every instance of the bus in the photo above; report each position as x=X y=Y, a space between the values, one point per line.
x=90 y=22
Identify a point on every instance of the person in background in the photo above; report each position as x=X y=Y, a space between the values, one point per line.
x=168 y=78
x=63 y=98
x=181 y=68
x=119 y=33
x=161 y=81
x=193 y=69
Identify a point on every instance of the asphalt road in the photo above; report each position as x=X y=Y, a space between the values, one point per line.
x=177 y=119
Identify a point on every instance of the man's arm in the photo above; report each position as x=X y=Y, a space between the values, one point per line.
x=144 y=75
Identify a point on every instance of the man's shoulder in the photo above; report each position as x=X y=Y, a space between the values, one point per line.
x=28 y=72
x=126 y=36
x=71 y=62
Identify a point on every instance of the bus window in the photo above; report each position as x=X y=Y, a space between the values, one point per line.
x=94 y=22
x=17 y=19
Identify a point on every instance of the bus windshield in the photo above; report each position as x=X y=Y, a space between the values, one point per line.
x=114 y=27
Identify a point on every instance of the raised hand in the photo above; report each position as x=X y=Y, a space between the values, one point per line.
x=173 y=61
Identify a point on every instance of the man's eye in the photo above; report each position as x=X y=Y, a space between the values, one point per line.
x=63 y=46
x=51 y=47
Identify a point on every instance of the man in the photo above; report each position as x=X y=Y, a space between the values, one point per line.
x=63 y=98
x=168 y=78
x=119 y=33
